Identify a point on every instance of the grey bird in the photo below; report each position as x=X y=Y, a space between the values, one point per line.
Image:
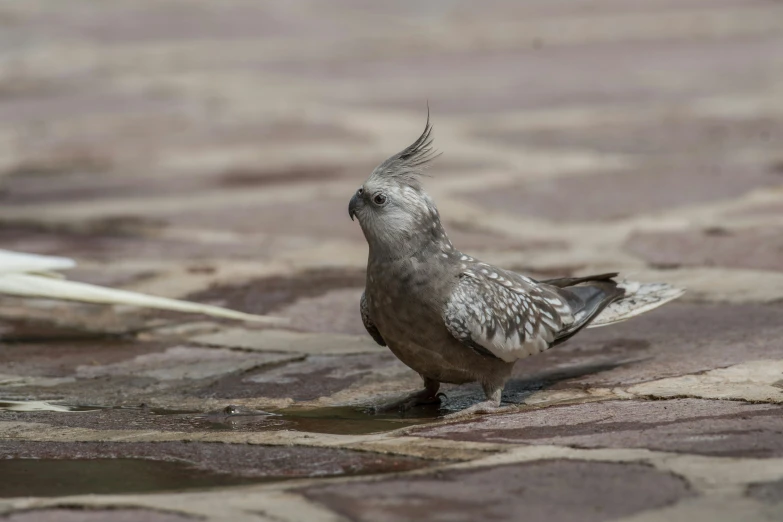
x=452 y=318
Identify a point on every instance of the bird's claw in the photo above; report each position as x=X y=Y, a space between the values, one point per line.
x=407 y=403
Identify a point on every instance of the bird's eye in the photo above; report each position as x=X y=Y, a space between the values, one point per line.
x=379 y=199
x=360 y=191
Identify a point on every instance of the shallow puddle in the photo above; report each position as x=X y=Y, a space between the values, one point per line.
x=344 y=420
x=338 y=420
x=48 y=468
x=55 y=477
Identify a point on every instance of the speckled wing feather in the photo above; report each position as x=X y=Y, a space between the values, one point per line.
x=505 y=313
x=368 y=324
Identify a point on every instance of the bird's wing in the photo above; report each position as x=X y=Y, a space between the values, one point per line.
x=368 y=324
x=506 y=314
x=17 y=262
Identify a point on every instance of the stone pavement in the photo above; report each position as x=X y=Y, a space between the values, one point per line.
x=207 y=150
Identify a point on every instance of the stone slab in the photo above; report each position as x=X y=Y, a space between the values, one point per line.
x=675 y=340
x=754 y=248
x=695 y=426
x=291 y=342
x=542 y=491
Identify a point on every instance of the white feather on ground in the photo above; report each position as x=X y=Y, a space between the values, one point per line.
x=639 y=298
x=32 y=263
x=30 y=275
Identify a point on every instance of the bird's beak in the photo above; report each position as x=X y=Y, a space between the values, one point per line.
x=354 y=203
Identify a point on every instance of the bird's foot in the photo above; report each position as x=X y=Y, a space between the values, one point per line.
x=482 y=408
x=419 y=398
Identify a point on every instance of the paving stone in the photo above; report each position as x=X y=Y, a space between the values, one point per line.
x=536 y=75
x=95 y=515
x=677 y=339
x=322 y=218
x=116 y=373
x=547 y=490
x=763 y=210
x=67 y=181
x=130 y=23
x=109 y=241
x=469 y=238
x=757 y=248
x=39 y=329
x=674 y=133
x=184 y=362
x=336 y=311
x=753 y=381
x=269 y=294
x=296 y=342
x=722 y=428
x=62 y=359
x=315 y=377
x=768 y=492
x=645 y=189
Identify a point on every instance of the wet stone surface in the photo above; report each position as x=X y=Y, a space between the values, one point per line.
x=96 y=515
x=340 y=420
x=43 y=477
x=166 y=466
x=543 y=491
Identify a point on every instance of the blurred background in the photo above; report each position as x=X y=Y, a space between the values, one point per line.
x=208 y=150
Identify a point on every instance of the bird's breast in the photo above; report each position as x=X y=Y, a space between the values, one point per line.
x=407 y=310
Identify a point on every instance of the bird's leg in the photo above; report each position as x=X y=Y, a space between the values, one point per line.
x=429 y=395
x=493 y=392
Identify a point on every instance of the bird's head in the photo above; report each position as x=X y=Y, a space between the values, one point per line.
x=396 y=215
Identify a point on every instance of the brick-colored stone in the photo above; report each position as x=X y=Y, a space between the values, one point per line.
x=539 y=491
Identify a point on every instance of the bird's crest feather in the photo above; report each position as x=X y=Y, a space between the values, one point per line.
x=408 y=165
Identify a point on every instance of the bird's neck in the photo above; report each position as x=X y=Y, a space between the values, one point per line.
x=428 y=241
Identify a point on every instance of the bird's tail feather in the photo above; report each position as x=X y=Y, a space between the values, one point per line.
x=639 y=298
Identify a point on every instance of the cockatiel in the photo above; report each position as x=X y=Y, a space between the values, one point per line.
x=452 y=318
